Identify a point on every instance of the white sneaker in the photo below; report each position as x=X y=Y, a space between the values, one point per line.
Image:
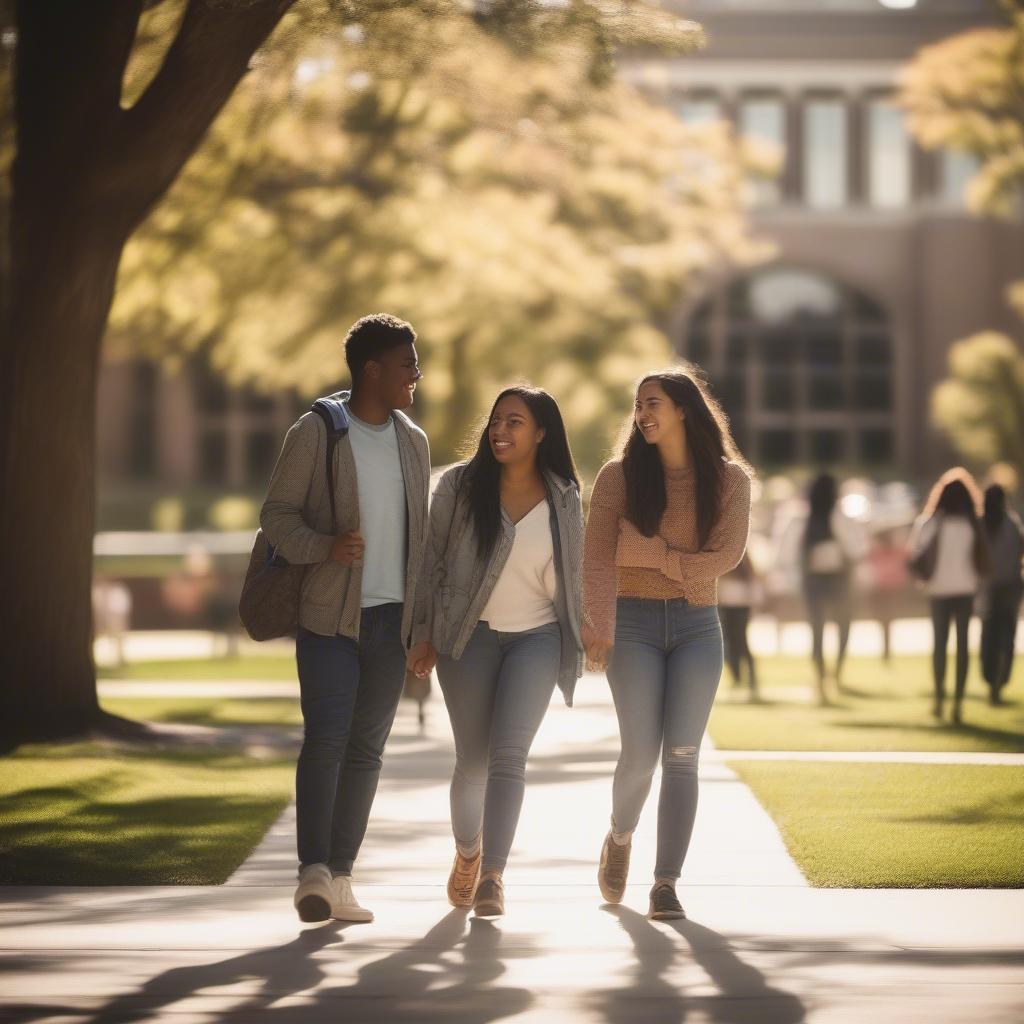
x=344 y=906
x=313 y=896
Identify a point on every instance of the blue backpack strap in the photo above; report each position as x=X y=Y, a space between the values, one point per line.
x=335 y=416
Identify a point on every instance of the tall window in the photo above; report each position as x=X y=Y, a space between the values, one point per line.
x=957 y=169
x=825 y=153
x=803 y=366
x=696 y=109
x=763 y=121
x=240 y=429
x=888 y=156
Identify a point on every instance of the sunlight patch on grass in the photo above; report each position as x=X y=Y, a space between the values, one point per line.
x=896 y=825
x=884 y=708
x=96 y=814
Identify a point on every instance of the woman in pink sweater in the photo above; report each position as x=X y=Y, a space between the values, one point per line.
x=668 y=516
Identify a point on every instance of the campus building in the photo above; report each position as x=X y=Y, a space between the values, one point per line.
x=825 y=354
x=828 y=353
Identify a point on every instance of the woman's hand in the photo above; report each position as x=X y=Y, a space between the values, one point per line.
x=596 y=649
x=421 y=659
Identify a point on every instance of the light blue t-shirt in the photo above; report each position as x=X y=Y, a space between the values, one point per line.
x=382 y=510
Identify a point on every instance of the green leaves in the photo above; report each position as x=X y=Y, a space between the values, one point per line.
x=463 y=169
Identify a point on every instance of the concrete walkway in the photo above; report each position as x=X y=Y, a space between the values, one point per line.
x=760 y=945
x=909 y=636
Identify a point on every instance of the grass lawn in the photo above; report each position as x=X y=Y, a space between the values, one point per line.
x=896 y=825
x=265 y=666
x=212 y=711
x=97 y=814
x=887 y=708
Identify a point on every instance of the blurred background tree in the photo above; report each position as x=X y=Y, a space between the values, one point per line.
x=531 y=216
x=471 y=165
x=981 y=404
x=967 y=94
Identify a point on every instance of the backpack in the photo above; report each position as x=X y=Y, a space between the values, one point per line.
x=269 y=603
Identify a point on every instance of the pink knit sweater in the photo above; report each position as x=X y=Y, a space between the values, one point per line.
x=619 y=561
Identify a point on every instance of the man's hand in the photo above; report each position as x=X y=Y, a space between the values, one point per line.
x=596 y=649
x=348 y=548
x=421 y=659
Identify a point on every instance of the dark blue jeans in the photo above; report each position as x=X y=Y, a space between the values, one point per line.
x=350 y=692
x=664 y=671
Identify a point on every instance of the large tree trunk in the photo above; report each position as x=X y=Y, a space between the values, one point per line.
x=48 y=397
x=86 y=173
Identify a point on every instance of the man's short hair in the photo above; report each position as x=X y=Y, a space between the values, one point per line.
x=369 y=337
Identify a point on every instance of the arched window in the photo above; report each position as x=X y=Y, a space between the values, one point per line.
x=802 y=365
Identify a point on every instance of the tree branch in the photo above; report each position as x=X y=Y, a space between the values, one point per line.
x=69 y=67
x=204 y=64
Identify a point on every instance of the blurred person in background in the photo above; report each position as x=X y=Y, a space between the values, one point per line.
x=668 y=517
x=506 y=546
x=950 y=554
x=739 y=592
x=888 y=578
x=825 y=545
x=1001 y=594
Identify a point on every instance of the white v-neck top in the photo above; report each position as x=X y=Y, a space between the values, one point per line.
x=524 y=596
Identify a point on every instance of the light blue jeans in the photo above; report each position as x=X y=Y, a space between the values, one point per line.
x=497 y=694
x=664 y=672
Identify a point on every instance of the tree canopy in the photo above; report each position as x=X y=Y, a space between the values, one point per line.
x=490 y=181
x=966 y=93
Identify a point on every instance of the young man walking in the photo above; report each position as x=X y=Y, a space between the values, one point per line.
x=363 y=608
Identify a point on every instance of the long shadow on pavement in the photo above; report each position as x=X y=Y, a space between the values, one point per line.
x=447 y=976
x=743 y=997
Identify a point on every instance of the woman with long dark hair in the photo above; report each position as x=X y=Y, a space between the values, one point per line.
x=668 y=516
x=1002 y=592
x=506 y=532
x=830 y=546
x=949 y=552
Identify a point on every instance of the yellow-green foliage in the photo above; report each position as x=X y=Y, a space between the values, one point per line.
x=967 y=93
x=532 y=216
x=981 y=404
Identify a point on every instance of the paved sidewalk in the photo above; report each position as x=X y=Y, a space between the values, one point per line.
x=909 y=636
x=761 y=946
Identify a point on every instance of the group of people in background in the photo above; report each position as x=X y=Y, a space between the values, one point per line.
x=967 y=546
x=965 y=549
x=498 y=584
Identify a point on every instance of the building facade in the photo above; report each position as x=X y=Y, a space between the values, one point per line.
x=828 y=353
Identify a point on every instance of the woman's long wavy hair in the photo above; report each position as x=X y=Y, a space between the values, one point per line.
x=481 y=480
x=821 y=500
x=955 y=493
x=710 y=444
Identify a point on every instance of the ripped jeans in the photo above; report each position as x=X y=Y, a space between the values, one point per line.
x=664 y=672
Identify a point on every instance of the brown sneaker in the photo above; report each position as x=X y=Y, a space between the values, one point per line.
x=665 y=905
x=613 y=869
x=489 y=900
x=463 y=880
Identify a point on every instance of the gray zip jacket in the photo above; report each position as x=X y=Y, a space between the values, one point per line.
x=296 y=518
x=463 y=582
